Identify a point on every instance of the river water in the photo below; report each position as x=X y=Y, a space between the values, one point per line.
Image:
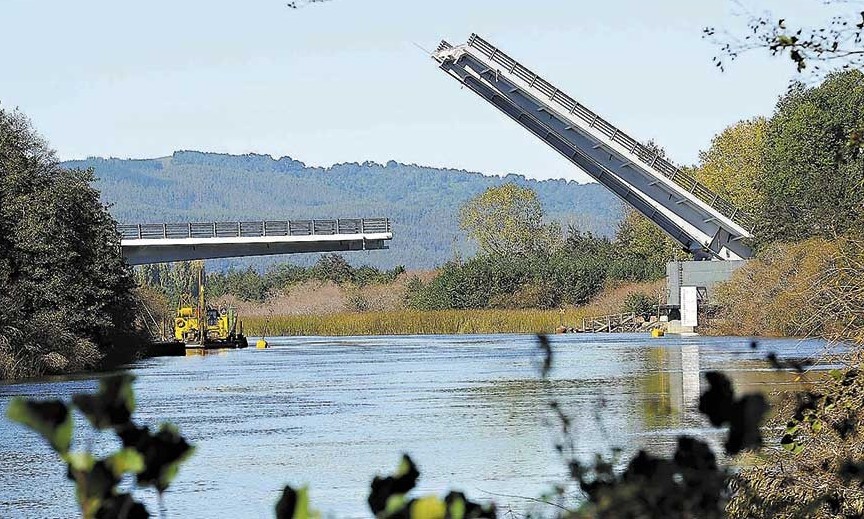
x=332 y=412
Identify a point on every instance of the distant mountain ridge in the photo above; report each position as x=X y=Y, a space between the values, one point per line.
x=423 y=202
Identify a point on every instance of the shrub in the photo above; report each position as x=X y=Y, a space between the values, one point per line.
x=639 y=303
x=812 y=288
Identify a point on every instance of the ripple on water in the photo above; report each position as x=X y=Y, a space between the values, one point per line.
x=333 y=412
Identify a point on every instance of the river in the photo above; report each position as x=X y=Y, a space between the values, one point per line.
x=332 y=412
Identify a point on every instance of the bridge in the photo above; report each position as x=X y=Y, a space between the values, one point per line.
x=702 y=221
x=166 y=242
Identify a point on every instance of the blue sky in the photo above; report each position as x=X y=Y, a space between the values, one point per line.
x=344 y=81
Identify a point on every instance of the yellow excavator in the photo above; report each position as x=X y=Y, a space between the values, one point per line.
x=199 y=325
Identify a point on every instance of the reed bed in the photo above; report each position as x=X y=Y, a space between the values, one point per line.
x=414 y=322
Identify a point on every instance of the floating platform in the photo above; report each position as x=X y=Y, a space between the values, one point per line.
x=179 y=349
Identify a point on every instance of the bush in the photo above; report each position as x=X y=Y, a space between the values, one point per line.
x=813 y=288
x=544 y=281
x=639 y=303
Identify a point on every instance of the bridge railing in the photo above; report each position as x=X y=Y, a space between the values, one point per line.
x=644 y=154
x=258 y=229
x=614 y=323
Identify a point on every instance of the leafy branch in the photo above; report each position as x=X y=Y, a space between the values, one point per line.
x=152 y=458
x=297 y=4
x=837 y=44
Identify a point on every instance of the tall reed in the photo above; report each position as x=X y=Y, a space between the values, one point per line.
x=414 y=322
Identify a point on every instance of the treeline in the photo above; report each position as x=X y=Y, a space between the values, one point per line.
x=571 y=273
x=249 y=284
x=801 y=172
x=523 y=261
x=423 y=202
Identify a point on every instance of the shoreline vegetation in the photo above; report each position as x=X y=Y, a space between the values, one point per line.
x=413 y=322
x=70 y=304
x=324 y=307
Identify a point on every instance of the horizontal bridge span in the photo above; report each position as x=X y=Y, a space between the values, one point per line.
x=166 y=242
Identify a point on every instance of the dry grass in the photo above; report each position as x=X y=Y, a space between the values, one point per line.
x=414 y=322
x=330 y=310
x=814 y=288
x=808 y=289
x=611 y=299
x=328 y=298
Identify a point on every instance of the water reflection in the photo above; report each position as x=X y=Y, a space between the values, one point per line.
x=332 y=412
x=205 y=352
x=671 y=380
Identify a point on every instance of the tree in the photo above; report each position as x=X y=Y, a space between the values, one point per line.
x=733 y=165
x=66 y=294
x=814 y=178
x=508 y=219
x=642 y=250
x=836 y=44
x=333 y=267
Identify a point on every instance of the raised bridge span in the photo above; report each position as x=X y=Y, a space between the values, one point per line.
x=166 y=242
x=702 y=221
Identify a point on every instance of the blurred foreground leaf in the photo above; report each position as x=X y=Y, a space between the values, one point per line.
x=50 y=418
x=294 y=504
x=112 y=406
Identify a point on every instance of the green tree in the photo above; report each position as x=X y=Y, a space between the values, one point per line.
x=639 y=303
x=66 y=294
x=814 y=178
x=333 y=267
x=508 y=219
x=642 y=250
x=733 y=165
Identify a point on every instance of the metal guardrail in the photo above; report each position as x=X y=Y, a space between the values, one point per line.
x=645 y=155
x=259 y=229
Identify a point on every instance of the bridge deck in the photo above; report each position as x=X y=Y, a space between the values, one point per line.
x=166 y=242
x=695 y=216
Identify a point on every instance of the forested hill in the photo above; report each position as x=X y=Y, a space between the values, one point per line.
x=423 y=202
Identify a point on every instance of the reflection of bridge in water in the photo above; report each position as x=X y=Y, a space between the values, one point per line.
x=167 y=242
x=676 y=377
x=670 y=385
x=684 y=377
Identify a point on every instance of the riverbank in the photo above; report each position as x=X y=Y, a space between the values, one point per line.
x=327 y=313
x=414 y=322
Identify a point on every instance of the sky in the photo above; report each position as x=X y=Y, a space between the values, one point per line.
x=348 y=81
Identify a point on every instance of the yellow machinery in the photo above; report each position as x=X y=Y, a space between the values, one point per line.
x=200 y=325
